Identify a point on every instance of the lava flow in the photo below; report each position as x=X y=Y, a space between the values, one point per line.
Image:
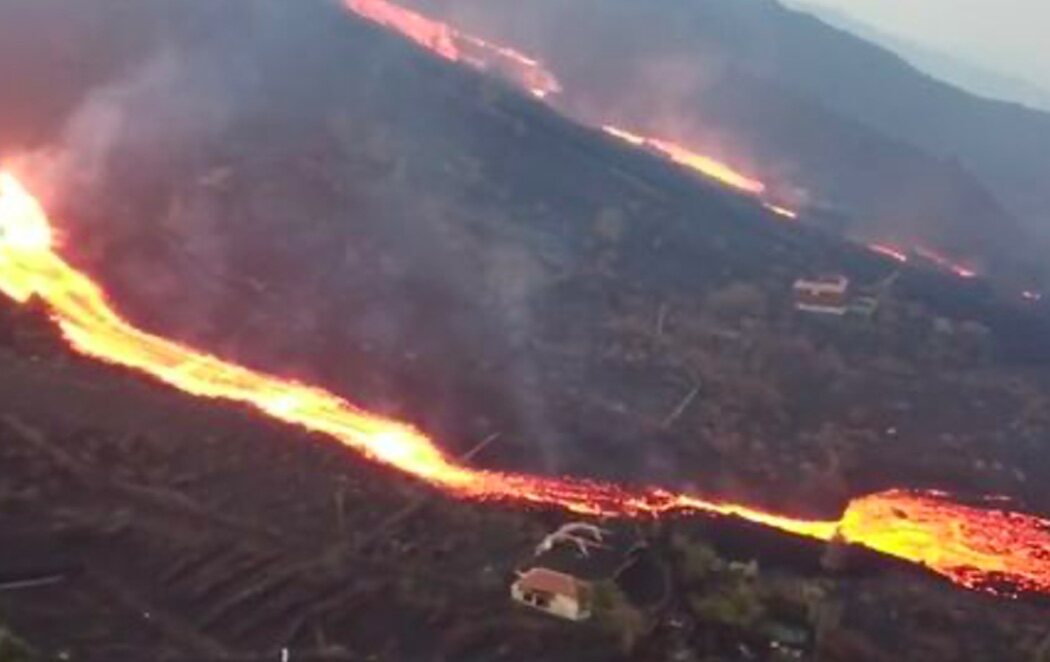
x=451 y=44
x=978 y=548
x=781 y=211
x=944 y=263
x=705 y=165
x=528 y=73
x=891 y=252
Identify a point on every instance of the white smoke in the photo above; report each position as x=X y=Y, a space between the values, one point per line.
x=147 y=117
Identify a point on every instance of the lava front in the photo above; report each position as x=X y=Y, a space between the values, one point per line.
x=978 y=548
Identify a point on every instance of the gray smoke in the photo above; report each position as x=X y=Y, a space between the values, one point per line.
x=266 y=191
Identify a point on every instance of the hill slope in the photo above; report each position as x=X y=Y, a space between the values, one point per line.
x=952 y=68
x=300 y=191
x=804 y=104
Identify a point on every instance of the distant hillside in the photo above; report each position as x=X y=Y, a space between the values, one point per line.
x=803 y=103
x=945 y=66
x=1006 y=145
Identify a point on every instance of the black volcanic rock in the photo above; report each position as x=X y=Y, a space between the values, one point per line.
x=801 y=104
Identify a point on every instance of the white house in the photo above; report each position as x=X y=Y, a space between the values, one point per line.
x=554 y=592
x=827 y=295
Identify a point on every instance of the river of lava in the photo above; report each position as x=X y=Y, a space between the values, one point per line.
x=456 y=46
x=891 y=252
x=528 y=73
x=944 y=263
x=781 y=211
x=979 y=548
x=684 y=156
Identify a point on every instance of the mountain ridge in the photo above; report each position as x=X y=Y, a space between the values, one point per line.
x=673 y=68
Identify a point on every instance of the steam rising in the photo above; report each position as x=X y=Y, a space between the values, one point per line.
x=350 y=212
x=246 y=164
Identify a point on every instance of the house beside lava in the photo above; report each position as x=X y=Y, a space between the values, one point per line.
x=556 y=593
x=573 y=565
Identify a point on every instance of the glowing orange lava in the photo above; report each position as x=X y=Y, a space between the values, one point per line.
x=891 y=252
x=946 y=264
x=529 y=74
x=705 y=165
x=978 y=548
x=432 y=35
x=451 y=44
x=781 y=211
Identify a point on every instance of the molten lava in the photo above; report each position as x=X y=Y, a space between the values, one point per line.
x=981 y=548
x=683 y=156
x=529 y=74
x=987 y=549
x=946 y=264
x=451 y=44
x=781 y=211
x=891 y=252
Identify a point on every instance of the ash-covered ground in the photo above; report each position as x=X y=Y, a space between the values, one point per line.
x=296 y=190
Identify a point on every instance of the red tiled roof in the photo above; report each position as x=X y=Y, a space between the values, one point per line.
x=549 y=581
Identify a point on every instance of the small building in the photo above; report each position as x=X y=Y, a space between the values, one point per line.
x=566 y=569
x=554 y=592
x=825 y=295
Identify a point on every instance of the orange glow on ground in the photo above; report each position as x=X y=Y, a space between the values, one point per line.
x=973 y=547
x=451 y=44
x=432 y=35
x=944 y=263
x=531 y=76
x=684 y=156
x=781 y=211
x=891 y=252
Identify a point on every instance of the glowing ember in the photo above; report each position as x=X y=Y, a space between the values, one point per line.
x=456 y=46
x=944 y=263
x=781 y=211
x=973 y=547
x=891 y=252
x=683 y=156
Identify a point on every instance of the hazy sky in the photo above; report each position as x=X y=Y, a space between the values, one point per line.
x=1008 y=36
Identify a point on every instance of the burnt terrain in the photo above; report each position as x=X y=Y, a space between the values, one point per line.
x=306 y=194
x=801 y=104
